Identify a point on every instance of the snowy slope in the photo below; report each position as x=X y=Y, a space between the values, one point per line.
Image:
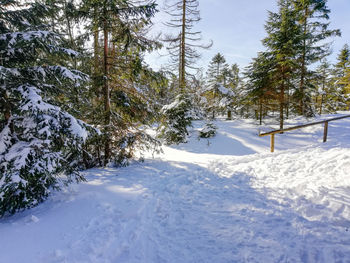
x=225 y=199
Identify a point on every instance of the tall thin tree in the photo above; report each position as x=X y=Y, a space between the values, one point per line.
x=183 y=46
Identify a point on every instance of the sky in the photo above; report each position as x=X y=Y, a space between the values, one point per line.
x=236 y=28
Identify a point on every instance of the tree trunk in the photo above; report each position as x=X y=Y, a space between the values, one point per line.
x=229 y=115
x=96 y=70
x=281 y=109
x=287 y=104
x=183 y=50
x=260 y=111
x=7 y=113
x=303 y=66
x=323 y=88
x=70 y=34
x=106 y=93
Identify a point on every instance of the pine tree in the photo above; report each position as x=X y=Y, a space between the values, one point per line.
x=219 y=93
x=312 y=48
x=343 y=61
x=217 y=70
x=183 y=49
x=260 y=87
x=346 y=82
x=40 y=144
x=326 y=95
x=122 y=26
x=177 y=117
x=232 y=80
x=282 y=43
x=340 y=76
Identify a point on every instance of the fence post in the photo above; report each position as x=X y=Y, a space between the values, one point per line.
x=325 y=133
x=272 y=142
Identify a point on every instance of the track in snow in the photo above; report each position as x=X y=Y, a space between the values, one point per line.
x=199 y=206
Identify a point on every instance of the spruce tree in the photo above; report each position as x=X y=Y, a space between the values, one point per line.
x=313 y=16
x=282 y=43
x=218 y=92
x=340 y=77
x=120 y=103
x=40 y=144
x=183 y=49
x=346 y=82
x=260 y=87
x=326 y=95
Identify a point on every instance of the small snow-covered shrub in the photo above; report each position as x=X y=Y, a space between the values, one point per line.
x=208 y=131
x=177 y=116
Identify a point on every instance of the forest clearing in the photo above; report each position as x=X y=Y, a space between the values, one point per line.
x=153 y=131
x=224 y=199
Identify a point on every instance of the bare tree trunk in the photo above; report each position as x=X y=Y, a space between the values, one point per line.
x=183 y=49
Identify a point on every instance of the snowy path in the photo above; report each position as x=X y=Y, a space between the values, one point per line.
x=228 y=200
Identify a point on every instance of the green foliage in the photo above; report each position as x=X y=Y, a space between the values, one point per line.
x=221 y=83
x=312 y=16
x=281 y=77
x=40 y=144
x=208 y=131
x=341 y=79
x=123 y=90
x=177 y=116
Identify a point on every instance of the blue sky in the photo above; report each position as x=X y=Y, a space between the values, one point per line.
x=237 y=28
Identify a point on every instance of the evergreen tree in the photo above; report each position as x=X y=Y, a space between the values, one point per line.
x=217 y=70
x=343 y=61
x=232 y=80
x=177 y=116
x=312 y=16
x=326 y=96
x=346 y=82
x=40 y=144
x=260 y=87
x=282 y=43
x=219 y=92
x=340 y=73
x=231 y=76
x=120 y=102
x=182 y=48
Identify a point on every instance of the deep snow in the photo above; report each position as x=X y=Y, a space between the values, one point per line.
x=225 y=199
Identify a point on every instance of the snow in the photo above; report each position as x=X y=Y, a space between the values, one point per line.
x=225 y=91
x=25 y=38
x=224 y=199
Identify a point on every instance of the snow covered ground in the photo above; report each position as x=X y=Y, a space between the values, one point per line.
x=225 y=199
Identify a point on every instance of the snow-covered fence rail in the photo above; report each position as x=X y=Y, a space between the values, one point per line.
x=272 y=133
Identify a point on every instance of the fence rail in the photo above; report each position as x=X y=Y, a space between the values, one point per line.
x=325 y=132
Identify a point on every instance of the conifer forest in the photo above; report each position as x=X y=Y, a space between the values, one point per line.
x=82 y=106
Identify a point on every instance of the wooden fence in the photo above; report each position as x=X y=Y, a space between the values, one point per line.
x=325 y=133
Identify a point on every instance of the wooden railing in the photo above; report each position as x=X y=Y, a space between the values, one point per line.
x=272 y=133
